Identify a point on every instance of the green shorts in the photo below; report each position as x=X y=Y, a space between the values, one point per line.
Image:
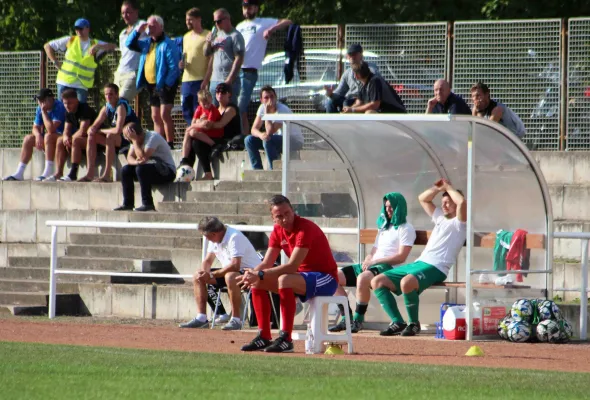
x=426 y=274
x=351 y=272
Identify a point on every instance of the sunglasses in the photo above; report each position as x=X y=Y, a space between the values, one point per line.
x=219 y=21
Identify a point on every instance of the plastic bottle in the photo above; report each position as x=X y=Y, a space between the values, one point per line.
x=242 y=167
x=309 y=341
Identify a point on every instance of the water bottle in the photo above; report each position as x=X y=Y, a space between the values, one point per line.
x=242 y=167
x=309 y=341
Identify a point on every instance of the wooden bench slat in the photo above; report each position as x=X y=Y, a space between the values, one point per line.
x=487 y=240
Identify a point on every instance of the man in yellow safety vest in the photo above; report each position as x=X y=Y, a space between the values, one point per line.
x=79 y=64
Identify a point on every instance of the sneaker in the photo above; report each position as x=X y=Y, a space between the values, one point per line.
x=394 y=329
x=412 y=329
x=40 y=178
x=123 y=208
x=504 y=280
x=195 y=323
x=11 y=178
x=222 y=319
x=485 y=278
x=280 y=345
x=51 y=178
x=66 y=179
x=145 y=208
x=258 y=343
x=356 y=326
x=232 y=325
x=339 y=327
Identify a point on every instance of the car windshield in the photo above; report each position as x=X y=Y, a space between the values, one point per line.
x=315 y=68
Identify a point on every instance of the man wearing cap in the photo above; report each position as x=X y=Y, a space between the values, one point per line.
x=126 y=74
x=80 y=60
x=256 y=32
x=445 y=101
x=349 y=87
x=227 y=47
x=158 y=71
x=47 y=126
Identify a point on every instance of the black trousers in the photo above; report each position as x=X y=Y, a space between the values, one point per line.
x=147 y=175
x=203 y=151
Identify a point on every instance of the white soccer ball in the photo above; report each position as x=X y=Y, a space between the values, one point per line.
x=185 y=173
x=548 y=310
x=522 y=310
x=548 y=331
x=566 y=332
x=519 y=331
x=503 y=327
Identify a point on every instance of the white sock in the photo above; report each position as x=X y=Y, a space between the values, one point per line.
x=20 y=171
x=201 y=317
x=48 y=171
x=236 y=319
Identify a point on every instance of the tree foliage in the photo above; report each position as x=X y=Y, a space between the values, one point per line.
x=28 y=24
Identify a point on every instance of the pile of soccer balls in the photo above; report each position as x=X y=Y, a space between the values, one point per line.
x=536 y=320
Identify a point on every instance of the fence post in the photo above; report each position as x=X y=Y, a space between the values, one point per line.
x=340 y=44
x=52 y=277
x=450 y=48
x=563 y=109
x=584 y=292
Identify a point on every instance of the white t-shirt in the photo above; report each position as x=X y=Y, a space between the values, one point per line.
x=59 y=45
x=445 y=243
x=253 y=31
x=295 y=133
x=389 y=241
x=234 y=244
x=129 y=61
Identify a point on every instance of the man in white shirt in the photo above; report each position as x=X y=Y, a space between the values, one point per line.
x=126 y=74
x=392 y=246
x=440 y=253
x=79 y=65
x=271 y=138
x=235 y=253
x=256 y=32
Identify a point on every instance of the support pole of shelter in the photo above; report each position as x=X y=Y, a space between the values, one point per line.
x=469 y=255
x=285 y=166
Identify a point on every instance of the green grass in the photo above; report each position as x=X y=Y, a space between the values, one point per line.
x=31 y=371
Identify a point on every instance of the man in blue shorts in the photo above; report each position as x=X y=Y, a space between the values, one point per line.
x=446 y=240
x=311 y=271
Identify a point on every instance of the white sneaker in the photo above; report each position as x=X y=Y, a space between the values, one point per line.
x=232 y=325
x=222 y=319
x=50 y=179
x=485 y=278
x=65 y=179
x=504 y=280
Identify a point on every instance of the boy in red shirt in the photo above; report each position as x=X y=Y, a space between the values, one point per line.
x=311 y=271
x=199 y=137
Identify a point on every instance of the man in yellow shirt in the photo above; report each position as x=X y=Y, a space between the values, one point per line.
x=194 y=62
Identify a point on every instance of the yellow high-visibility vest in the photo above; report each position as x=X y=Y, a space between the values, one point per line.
x=76 y=65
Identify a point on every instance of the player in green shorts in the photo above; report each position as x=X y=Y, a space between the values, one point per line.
x=392 y=246
x=446 y=240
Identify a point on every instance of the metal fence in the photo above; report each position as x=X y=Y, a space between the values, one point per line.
x=409 y=56
x=578 y=87
x=520 y=62
x=20 y=80
x=524 y=63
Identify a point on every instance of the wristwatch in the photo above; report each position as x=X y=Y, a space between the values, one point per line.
x=211 y=275
x=261 y=275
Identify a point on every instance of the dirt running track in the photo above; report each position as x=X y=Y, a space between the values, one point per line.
x=369 y=346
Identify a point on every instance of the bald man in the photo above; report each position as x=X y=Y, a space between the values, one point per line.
x=445 y=101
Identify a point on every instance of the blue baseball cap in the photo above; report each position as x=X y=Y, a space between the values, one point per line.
x=82 y=23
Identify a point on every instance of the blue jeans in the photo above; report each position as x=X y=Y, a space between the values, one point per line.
x=249 y=80
x=335 y=103
x=235 y=88
x=273 y=148
x=188 y=99
x=82 y=93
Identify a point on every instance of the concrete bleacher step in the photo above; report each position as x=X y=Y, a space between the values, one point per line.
x=82 y=263
x=570 y=201
x=30 y=285
x=311 y=176
x=248 y=197
x=36 y=303
x=275 y=187
x=30 y=273
x=131 y=252
x=29 y=310
x=24 y=298
x=150 y=232
x=154 y=240
x=195 y=218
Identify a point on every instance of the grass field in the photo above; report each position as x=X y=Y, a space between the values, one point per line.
x=36 y=371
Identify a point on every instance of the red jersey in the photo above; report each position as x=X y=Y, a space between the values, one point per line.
x=211 y=114
x=306 y=235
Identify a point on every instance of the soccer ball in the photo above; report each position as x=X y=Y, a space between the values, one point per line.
x=519 y=331
x=548 y=310
x=185 y=173
x=522 y=310
x=548 y=331
x=566 y=332
x=503 y=327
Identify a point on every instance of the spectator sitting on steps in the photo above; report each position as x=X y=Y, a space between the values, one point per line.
x=445 y=101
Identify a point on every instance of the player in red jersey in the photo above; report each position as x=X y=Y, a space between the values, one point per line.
x=311 y=271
